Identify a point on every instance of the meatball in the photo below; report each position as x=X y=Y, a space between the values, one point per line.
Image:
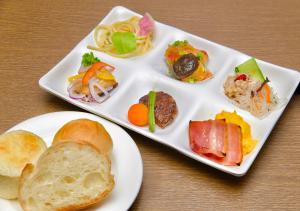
x=165 y=108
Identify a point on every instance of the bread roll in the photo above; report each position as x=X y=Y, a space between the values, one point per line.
x=9 y=187
x=85 y=130
x=17 y=148
x=68 y=176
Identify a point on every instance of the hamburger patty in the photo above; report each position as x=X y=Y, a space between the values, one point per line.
x=165 y=109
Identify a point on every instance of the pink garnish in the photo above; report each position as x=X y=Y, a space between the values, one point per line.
x=146 y=24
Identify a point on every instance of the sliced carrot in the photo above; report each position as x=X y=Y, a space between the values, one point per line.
x=172 y=55
x=91 y=71
x=138 y=114
x=268 y=93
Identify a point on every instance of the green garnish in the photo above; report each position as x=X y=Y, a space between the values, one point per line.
x=251 y=68
x=192 y=80
x=199 y=55
x=151 y=104
x=179 y=42
x=124 y=42
x=89 y=59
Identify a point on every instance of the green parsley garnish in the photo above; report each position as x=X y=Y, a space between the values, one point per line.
x=89 y=59
x=124 y=42
x=179 y=42
x=199 y=55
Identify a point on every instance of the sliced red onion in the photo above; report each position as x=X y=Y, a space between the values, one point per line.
x=88 y=98
x=95 y=83
x=109 y=68
x=146 y=25
x=72 y=90
x=108 y=89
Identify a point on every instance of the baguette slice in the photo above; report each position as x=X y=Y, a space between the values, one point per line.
x=68 y=176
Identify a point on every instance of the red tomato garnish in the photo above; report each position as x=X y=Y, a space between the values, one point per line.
x=241 y=77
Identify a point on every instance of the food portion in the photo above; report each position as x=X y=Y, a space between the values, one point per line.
x=155 y=108
x=249 y=89
x=93 y=82
x=124 y=39
x=224 y=140
x=68 y=176
x=217 y=138
x=17 y=148
x=138 y=114
x=187 y=63
x=87 y=131
x=72 y=174
x=232 y=117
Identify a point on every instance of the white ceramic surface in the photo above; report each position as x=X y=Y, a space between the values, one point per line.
x=127 y=165
x=201 y=101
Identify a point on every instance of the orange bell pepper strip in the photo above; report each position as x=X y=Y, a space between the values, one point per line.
x=91 y=71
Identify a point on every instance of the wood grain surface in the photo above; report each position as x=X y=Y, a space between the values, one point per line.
x=35 y=35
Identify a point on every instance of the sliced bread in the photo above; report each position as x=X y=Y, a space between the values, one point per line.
x=68 y=176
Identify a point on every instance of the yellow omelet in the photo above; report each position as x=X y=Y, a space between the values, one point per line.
x=232 y=117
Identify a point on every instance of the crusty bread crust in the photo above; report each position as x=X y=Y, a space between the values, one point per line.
x=29 y=169
x=85 y=130
x=25 y=173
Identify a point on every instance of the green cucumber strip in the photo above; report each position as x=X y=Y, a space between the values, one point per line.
x=251 y=68
x=151 y=104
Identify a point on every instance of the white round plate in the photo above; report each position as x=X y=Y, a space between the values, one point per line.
x=127 y=165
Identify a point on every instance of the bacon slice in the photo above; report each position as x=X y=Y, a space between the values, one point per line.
x=217 y=140
x=208 y=137
x=199 y=136
x=234 y=154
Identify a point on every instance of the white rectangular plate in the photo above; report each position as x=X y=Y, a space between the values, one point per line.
x=138 y=75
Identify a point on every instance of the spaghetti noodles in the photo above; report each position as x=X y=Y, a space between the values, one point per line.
x=141 y=29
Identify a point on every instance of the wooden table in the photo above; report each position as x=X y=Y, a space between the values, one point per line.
x=35 y=35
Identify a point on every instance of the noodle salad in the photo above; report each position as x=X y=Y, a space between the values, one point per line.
x=124 y=39
x=249 y=89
